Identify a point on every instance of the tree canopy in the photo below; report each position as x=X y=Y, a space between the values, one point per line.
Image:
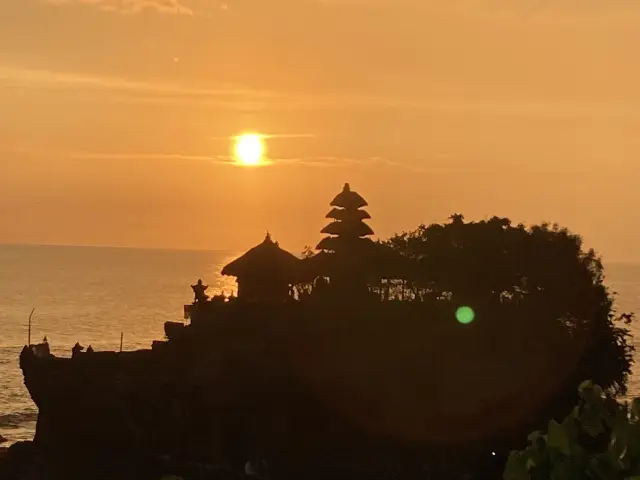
x=493 y=258
x=535 y=288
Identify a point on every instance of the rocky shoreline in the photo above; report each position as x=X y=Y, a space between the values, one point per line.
x=202 y=405
x=27 y=461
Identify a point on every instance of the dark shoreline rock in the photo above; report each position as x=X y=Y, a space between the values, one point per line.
x=25 y=461
x=18 y=461
x=317 y=396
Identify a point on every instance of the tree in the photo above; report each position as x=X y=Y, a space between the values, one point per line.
x=538 y=296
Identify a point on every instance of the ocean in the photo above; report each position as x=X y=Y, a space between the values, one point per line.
x=92 y=294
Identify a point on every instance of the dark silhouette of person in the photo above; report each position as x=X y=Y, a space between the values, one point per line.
x=199 y=290
x=43 y=349
x=89 y=349
x=77 y=349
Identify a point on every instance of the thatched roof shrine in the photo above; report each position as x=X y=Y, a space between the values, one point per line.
x=265 y=273
x=265 y=259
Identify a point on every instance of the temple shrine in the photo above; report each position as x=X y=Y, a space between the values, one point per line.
x=347 y=262
x=265 y=273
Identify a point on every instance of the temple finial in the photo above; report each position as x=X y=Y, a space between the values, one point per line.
x=346 y=188
x=267 y=237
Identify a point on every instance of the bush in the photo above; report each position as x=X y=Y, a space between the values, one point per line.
x=599 y=439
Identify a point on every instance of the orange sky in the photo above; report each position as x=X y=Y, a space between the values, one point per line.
x=115 y=117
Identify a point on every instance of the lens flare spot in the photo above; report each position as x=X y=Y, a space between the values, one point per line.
x=465 y=315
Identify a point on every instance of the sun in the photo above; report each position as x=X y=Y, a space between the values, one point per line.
x=249 y=149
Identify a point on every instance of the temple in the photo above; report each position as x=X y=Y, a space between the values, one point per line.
x=348 y=265
x=347 y=262
x=348 y=228
x=265 y=274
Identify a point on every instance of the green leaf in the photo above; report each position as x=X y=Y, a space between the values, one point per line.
x=587 y=384
x=570 y=428
x=593 y=428
x=537 y=440
x=604 y=466
x=533 y=436
x=558 y=438
x=597 y=391
x=565 y=471
x=564 y=453
x=516 y=469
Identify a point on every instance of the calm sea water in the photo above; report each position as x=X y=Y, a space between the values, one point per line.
x=90 y=295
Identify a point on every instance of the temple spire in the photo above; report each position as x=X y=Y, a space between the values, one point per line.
x=347 y=226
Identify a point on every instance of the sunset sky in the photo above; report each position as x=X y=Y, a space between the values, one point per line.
x=116 y=117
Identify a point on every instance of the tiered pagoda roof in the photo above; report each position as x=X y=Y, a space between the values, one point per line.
x=348 y=224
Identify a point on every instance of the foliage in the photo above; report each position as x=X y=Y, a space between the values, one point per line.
x=599 y=439
x=540 y=301
x=307 y=252
x=455 y=257
x=538 y=276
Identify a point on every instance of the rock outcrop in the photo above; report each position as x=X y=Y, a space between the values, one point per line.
x=316 y=396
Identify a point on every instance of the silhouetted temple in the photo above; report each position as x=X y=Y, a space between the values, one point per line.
x=348 y=262
x=265 y=273
x=347 y=256
x=348 y=228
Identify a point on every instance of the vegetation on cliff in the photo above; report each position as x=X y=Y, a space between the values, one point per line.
x=539 y=276
x=599 y=439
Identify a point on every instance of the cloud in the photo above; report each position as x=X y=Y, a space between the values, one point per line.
x=225 y=160
x=175 y=7
x=545 y=11
x=17 y=76
x=229 y=160
x=220 y=159
x=214 y=159
x=271 y=136
x=250 y=99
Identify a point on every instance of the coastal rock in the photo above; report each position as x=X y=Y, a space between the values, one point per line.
x=18 y=462
x=316 y=396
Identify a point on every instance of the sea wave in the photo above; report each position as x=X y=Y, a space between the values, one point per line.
x=17 y=419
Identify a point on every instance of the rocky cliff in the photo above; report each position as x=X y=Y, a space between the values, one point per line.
x=318 y=396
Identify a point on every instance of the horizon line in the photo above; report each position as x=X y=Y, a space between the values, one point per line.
x=204 y=250
x=118 y=247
